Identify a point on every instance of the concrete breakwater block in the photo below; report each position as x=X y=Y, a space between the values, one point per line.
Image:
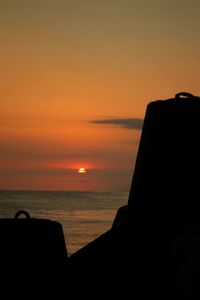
x=153 y=246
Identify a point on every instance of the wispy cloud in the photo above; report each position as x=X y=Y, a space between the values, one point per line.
x=128 y=123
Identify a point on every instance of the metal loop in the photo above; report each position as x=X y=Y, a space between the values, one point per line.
x=22 y=212
x=184 y=95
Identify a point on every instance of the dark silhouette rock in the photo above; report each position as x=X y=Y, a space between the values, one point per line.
x=153 y=247
x=168 y=161
x=33 y=257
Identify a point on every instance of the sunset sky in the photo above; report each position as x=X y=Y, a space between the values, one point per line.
x=75 y=79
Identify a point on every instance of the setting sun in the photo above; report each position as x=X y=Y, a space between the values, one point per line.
x=82 y=170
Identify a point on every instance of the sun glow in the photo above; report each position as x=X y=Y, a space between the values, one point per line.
x=82 y=170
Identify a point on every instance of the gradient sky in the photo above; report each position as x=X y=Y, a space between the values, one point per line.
x=75 y=79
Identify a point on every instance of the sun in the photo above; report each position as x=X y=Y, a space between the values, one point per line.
x=82 y=170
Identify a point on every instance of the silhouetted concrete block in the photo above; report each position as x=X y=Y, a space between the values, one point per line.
x=153 y=247
x=166 y=177
x=33 y=254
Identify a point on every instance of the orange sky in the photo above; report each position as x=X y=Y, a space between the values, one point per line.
x=65 y=64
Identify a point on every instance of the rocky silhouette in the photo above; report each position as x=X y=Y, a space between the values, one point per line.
x=33 y=257
x=153 y=247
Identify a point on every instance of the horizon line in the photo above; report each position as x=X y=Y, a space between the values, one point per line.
x=70 y=191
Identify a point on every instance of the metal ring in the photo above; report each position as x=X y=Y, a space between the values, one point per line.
x=22 y=212
x=184 y=95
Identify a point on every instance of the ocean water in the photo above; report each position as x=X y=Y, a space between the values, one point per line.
x=83 y=215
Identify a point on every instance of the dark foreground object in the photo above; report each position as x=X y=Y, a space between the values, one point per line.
x=153 y=248
x=33 y=257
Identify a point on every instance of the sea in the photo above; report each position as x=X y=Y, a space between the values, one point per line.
x=83 y=215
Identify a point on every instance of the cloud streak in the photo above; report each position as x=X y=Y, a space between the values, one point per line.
x=128 y=123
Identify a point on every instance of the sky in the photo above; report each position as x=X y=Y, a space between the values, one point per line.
x=75 y=79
